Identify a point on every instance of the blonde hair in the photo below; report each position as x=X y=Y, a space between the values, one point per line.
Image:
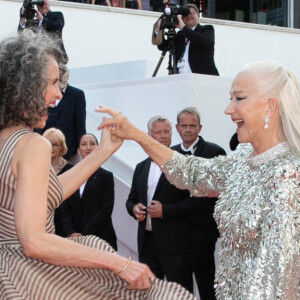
x=56 y=134
x=275 y=80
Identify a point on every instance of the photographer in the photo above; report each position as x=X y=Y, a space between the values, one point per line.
x=194 y=43
x=42 y=19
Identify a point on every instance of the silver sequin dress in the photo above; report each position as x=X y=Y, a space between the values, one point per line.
x=258 y=216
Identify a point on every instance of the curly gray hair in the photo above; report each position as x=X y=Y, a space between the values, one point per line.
x=23 y=66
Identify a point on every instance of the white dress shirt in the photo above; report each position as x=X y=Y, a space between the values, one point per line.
x=186 y=66
x=192 y=148
x=153 y=178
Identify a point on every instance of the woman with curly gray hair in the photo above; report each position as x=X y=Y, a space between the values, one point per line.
x=35 y=263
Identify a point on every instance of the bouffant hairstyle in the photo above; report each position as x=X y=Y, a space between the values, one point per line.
x=54 y=134
x=23 y=66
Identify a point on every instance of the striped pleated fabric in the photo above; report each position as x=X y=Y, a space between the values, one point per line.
x=23 y=278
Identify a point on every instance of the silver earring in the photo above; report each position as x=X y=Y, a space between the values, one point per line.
x=267 y=120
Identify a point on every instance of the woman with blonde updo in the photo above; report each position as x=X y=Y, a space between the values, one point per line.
x=59 y=149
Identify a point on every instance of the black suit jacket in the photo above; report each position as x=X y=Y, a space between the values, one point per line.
x=171 y=232
x=53 y=23
x=203 y=225
x=91 y=213
x=69 y=116
x=201 y=51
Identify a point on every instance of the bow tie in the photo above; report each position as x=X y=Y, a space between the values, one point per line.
x=186 y=152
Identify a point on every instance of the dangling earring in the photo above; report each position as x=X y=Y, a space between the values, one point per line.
x=267 y=120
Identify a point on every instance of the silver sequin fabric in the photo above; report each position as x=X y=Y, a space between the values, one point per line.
x=258 y=216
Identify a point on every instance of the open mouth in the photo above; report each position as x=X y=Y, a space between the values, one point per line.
x=239 y=122
x=51 y=104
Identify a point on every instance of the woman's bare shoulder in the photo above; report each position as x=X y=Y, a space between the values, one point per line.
x=33 y=146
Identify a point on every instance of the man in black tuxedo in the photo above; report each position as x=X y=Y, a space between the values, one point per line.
x=163 y=234
x=46 y=20
x=203 y=226
x=68 y=114
x=194 y=45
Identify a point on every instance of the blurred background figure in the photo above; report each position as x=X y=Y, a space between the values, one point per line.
x=89 y=209
x=233 y=143
x=101 y=2
x=41 y=19
x=59 y=164
x=133 y=4
x=59 y=149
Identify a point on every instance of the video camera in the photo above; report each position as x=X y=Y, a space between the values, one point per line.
x=169 y=18
x=29 y=11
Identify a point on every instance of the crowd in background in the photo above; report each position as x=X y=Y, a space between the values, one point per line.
x=141 y=4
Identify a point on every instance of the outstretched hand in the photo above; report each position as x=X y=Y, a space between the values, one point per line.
x=118 y=125
x=110 y=141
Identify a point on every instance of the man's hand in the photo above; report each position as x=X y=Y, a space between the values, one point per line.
x=139 y=211
x=155 y=209
x=39 y=16
x=180 y=24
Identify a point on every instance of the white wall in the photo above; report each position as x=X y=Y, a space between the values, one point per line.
x=96 y=35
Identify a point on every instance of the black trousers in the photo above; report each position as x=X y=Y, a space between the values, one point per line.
x=203 y=267
x=175 y=266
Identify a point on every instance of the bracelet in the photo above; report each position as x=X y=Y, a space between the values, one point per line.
x=128 y=262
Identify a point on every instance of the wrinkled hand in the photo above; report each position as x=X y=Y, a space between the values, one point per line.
x=137 y=275
x=109 y=141
x=139 y=211
x=118 y=125
x=154 y=209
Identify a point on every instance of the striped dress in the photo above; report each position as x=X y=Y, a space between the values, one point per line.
x=26 y=278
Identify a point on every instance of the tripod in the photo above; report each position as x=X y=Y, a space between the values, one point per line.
x=169 y=46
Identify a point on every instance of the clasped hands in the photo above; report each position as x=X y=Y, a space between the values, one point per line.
x=117 y=128
x=154 y=210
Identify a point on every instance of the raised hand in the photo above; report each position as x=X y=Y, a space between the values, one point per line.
x=111 y=142
x=118 y=124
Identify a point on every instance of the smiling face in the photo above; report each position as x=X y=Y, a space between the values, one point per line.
x=248 y=109
x=192 y=19
x=51 y=92
x=86 y=145
x=45 y=8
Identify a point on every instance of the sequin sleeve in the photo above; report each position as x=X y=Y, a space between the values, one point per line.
x=202 y=177
x=276 y=272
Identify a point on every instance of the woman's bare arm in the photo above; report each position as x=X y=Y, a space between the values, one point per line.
x=123 y=129
x=77 y=175
x=31 y=167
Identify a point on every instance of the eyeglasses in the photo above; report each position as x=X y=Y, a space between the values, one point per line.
x=55 y=145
